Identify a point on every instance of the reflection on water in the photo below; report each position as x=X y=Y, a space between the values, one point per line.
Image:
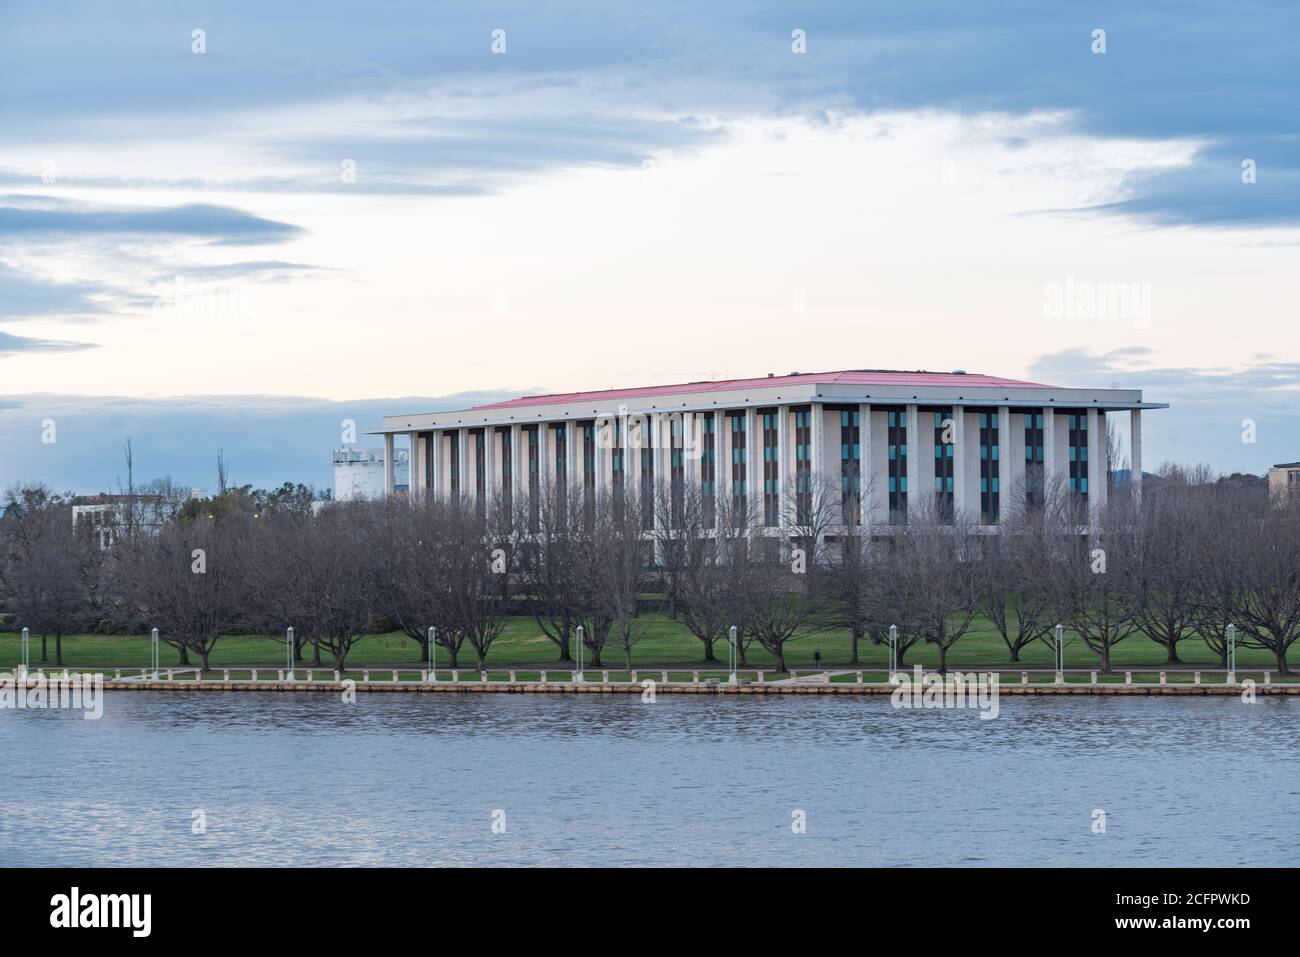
x=609 y=780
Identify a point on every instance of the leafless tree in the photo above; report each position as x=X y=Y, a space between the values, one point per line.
x=938 y=564
x=49 y=570
x=812 y=508
x=188 y=580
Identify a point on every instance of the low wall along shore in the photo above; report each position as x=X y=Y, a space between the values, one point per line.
x=599 y=682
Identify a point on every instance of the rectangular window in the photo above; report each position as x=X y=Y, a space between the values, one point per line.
x=771 y=421
x=944 y=435
x=480 y=470
x=453 y=461
x=533 y=436
x=647 y=442
x=587 y=430
x=896 y=445
x=803 y=456
x=1033 y=426
x=850 y=466
x=739 y=463
x=989 y=504
x=1078 y=444
x=507 y=468
x=709 y=467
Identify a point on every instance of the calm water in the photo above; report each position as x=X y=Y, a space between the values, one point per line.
x=593 y=780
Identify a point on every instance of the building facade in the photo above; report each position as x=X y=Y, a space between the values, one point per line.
x=885 y=438
x=1284 y=482
x=364 y=473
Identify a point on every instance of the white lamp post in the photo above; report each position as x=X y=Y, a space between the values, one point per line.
x=893 y=651
x=1060 y=654
x=731 y=652
x=1232 y=654
x=153 y=642
x=289 y=641
x=577 y=675
x=433 y=672
x=27 y=651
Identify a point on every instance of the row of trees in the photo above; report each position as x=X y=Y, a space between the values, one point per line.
x=1197 y=556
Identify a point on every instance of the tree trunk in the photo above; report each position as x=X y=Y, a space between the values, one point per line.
x=315 y=653
x=45 y=653
x=855 y=635
x=1015 y=653
x=1281 y=660
x=708 y=649
x=943 y=658
x=1105 y=658
x=58 y=650
x=780 y=659
x=185 y=654
x=1173 y=658
x=203 y=656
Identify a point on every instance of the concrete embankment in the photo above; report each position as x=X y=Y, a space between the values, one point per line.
x=621 y=687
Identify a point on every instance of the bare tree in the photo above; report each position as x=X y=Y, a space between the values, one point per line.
x=49 y=570
x=811 y=508
x=938 y=564
x=188 y=580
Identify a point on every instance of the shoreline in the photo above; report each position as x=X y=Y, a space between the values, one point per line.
x=569 y=687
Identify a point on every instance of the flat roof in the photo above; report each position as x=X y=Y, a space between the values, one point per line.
x=873 y=386
x=919 y=379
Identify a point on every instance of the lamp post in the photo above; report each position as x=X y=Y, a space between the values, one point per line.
x=893 y=651
x=1060 y=654
x=1232 y=654
x=288 y=640
x=433 y=674
x=27 y=651
x=153 y=643
x=577 y=675
x=731 y=652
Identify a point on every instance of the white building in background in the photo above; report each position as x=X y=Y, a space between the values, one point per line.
x=361 y=473
x=885 y=437
x=103 y=516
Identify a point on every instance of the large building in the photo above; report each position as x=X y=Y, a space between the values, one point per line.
x=884 y=437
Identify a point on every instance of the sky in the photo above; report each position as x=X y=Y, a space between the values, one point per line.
x=234 y=226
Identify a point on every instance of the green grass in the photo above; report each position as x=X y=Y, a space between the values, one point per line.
x=666 y=645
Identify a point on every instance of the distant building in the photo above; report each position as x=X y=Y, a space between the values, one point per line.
x=102 y=515
x=360 y=473
x=1284 y=482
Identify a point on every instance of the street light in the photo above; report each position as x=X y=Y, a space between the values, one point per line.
x=153 y=642
x=288 y=640
x=433 y=672
x=1232 y=654
x=577 y=675
x=27 y=651
x=731 y=652
x=893 y=651
x=1060 y=654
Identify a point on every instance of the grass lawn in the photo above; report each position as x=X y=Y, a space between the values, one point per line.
x=666 y=644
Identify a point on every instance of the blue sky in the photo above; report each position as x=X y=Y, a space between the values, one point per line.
x=337 y=207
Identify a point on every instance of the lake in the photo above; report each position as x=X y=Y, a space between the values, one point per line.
x=283 y=779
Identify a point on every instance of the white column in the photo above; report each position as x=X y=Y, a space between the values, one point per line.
x=754 y=463
x=914 y=490
x=817 y=419
x=1097 y=491
x=655 y=438
x=545 y=478
x=1135 y=451
x=722 y=468
x=1009 y=469
x=518 y=463
x=1051 y=467
x=784 y=456
x=390 y=465
x=864 y=464
x=961 y=504
x=463 y=451
x=573 y=452
x=414 y=467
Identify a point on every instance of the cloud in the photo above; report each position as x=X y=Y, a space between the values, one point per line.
x=13 y=345
x=23 y=296
x=1209 y=407
x=222 y=225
